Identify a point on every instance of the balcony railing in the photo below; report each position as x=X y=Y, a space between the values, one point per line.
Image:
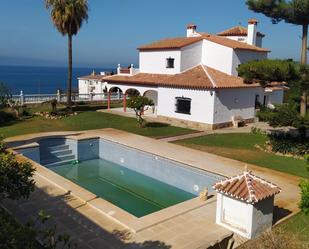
x=40 y=98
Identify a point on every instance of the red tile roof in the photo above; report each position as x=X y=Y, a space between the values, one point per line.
x=247 y=187
x=199 y=77
x=171 y=43
x=180 y=42
x=237 y=31
x=92 y=77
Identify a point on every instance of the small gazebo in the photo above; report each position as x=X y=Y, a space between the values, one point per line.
x=245 y=204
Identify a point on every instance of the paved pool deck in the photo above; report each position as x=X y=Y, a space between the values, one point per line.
x=193 y=229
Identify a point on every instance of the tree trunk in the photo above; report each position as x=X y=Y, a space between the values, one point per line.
x=303 y=101
x=69 y=83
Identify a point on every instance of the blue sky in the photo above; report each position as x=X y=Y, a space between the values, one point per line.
x=117 y=27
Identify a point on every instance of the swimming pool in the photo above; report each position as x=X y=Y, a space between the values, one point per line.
x=138 y=182
x=134 y=192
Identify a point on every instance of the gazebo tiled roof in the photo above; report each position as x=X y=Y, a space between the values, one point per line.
x=247 y=187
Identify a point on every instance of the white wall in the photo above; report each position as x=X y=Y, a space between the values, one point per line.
x=235 y=102
x=275 y=97
x=262 y=216
x=242 y=56
x=234 y=214
x=243 y=218
x=155 y=61
x=217 y=56
x=191 y=56
x=202 y=104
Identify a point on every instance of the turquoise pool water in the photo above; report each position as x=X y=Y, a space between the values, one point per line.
x=134 y=192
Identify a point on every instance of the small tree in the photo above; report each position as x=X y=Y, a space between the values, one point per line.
x=16 y=181
x=53 y=104
x=138 y=104
x=304 y=202
x=15 y=177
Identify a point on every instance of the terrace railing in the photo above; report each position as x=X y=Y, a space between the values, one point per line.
x=40 y=98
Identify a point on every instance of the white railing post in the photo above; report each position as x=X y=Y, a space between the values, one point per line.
x=58 y=96
x=118 y=69
x=131 y=69
x=22 y=98
x=118 y=94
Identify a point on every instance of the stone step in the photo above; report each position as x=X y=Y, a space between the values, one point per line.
x=56 y=164
x=61 y=152
x=57 y=148
x=51 y=160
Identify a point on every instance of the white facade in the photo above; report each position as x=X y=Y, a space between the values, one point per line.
x=155 y=61
x=248 y=220
x=230 y=103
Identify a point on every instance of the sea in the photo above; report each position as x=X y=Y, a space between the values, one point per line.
x=42 y=80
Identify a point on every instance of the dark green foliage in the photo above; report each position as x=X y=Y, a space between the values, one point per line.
x=16 y=236
x=5 y=94
x=267 y=71
x=15 y=177
x=304 y=202
x=294 y=11
x=138 y=104
x=264 y=114
x=287 y=144
x=6 y=118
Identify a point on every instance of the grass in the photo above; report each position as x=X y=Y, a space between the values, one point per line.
x=87 y=120
x=241 y=147
x=292 y=234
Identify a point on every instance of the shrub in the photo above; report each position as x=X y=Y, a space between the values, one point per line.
x=6 y=118
x=264 y=114
x=257 y=131
x=306 y=157
x=304 y=201
x=15 y=177
x=286 y=144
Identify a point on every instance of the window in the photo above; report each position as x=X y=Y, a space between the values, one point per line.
x=183 y=105
x=170 y=62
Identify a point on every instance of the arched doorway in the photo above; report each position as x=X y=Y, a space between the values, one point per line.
x=132 y=92
x=153 y=95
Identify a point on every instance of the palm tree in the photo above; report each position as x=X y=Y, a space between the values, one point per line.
x=68 y=17
x=295 y=12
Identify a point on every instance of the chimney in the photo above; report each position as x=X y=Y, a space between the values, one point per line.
x=191 y=30
x=252 y=32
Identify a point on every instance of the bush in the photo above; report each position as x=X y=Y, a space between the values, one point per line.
x=287 y=144
x=264 y=114
x=304 y=201
x=6 y=118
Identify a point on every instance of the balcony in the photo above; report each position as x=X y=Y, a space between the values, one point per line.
x=130 y=71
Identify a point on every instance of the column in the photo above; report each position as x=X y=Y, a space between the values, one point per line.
x=109 y=100
x=124 y=102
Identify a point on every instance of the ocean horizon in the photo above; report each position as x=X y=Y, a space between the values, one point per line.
x=42 y=80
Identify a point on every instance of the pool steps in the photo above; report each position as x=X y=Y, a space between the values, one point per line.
x=56 y=155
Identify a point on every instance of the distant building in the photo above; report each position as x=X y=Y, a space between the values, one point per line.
x=193 y=80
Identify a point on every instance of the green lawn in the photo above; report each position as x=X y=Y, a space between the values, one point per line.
x=241 y=147
x=291 y=234
x=88 y=120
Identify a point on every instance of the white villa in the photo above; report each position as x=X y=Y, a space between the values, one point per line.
x=193 y=80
